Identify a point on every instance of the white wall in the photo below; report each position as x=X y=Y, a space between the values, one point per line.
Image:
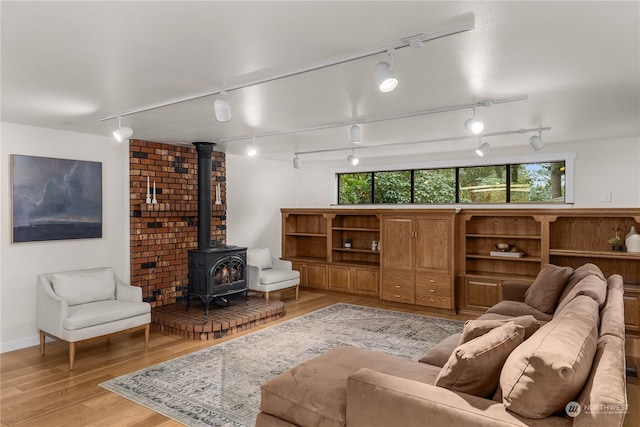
x=600 y=166
x=20 y=263
x=256 y=190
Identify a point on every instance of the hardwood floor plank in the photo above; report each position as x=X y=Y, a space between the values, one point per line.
x=37 y=391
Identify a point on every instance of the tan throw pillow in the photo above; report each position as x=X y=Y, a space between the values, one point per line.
x=474 y=367
x=475 y=328
x=545 y=291
x=548 y=370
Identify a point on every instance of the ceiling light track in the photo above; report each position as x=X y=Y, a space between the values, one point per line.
x=361 y=121
x=412 y=41
x=427 y=141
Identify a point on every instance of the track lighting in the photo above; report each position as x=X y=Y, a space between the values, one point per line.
x=536 y=141
x=352 y=159
x=222 y=109
x=474 y=125
x=383 y=73
x=297 y=162
x=122 y=133
x=250 y=149
x=355 y=134
x=483 y=148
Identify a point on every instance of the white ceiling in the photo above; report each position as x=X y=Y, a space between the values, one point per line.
x=67 y=64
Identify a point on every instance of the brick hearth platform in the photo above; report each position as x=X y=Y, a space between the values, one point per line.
x=174 y=319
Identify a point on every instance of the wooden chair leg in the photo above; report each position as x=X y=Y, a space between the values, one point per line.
x=42 y=343
x=146 y=335
x=72 y=355
x=266 y=296
x=297 y=288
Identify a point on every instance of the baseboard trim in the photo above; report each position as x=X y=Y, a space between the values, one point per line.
x=6 y=347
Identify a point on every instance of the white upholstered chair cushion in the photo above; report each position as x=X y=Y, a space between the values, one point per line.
x=80 y=287
x=99 y=312
x=260 y=257
x=271 y=276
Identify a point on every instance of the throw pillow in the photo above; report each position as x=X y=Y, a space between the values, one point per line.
x=474 y=367
x=549 y=369
x=475 y=328
x=545 y=291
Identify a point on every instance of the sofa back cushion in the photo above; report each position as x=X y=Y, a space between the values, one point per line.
x=83 y=286
x=259 y=257
x=474 y=367
x=475 y=328
x=612 y=315
x=591 y=286
x=548 y=370
x=545 y=291
x=580 y=273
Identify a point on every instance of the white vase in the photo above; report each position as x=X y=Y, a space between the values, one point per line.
x=632 y=240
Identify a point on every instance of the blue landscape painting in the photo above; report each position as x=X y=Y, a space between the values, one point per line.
x=56 y=199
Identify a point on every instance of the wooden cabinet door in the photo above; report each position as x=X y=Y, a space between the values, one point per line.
x=316 y=276
x=365 y=282
x=632 y=310
x=480 y=294
x=433 y=244
x=339 y=279
x=397 y=243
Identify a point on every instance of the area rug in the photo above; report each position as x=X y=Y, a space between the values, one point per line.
x=220 y=385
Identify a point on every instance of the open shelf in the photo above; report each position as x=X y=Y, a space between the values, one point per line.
x=364 y=251
x=505 y=236
x=306 y=234
x=595 y=254
x=498 y=258
x=356 y=229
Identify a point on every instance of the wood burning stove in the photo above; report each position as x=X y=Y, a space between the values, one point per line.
x=217 y=272
x=214 y=271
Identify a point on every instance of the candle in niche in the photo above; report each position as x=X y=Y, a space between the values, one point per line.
x=154 y=201
x=148 y=193
x=218 y=200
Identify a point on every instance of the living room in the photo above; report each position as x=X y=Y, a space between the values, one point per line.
x=593 y=120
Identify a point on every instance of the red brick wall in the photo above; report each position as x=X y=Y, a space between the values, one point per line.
x=161 y=234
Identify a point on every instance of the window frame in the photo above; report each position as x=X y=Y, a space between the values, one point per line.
x=568 y=158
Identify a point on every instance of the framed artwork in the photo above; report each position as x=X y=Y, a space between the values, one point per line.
x=55 y=199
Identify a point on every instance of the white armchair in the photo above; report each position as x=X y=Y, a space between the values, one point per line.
x=81 y=305
x=269 y=274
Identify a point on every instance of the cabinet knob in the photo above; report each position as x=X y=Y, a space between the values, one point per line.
x=397 y=296
x=432 y=280
x=397 y=286
x=432 y=290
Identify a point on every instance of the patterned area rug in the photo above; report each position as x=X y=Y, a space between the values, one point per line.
x=220 y=385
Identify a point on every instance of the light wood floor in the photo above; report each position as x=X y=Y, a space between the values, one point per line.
x=41 y=391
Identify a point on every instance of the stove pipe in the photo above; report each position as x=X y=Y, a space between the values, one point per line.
x=204 y=150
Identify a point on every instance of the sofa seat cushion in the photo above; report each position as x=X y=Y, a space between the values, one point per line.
x=314 y=392
x=83 y=286
x=474 y=367
x=545 y=291
x=99 y=312
x=517 y=308
x=439 y=354
x=548 y=370
x=475 y=328
x=271 y=276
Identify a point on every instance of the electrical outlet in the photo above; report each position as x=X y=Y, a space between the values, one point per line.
x=606 y=196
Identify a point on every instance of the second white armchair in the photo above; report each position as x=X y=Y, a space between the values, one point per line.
x=269 y=274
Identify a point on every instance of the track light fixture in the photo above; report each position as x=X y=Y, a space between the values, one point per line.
x=122 y=133
x=536 y=141
x=352 y=159
x=383 y=73
x=483 y=148
x=250 y=149
x=355 y=134
x=222 y=109
x=474 y=125
x=297 y=163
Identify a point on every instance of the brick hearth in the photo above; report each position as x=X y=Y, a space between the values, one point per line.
x=174 y=319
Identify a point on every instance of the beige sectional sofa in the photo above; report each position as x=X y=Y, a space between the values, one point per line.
x=549 y=354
